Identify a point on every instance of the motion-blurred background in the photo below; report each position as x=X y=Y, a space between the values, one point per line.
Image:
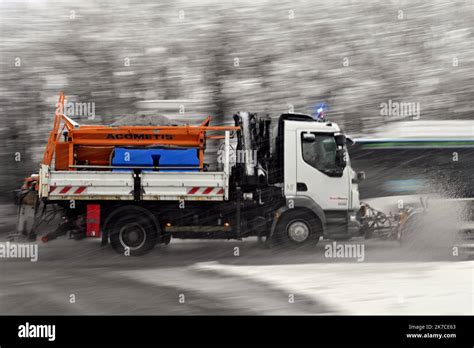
x=262 y=56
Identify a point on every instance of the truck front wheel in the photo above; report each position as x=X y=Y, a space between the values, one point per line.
x=133 y=234
x=297 y=228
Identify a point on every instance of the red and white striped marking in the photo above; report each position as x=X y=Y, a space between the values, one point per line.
x=70 y=190
x=78 y=190
x=206 y=191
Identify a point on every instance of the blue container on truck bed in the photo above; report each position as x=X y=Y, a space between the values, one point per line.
x=156 y=157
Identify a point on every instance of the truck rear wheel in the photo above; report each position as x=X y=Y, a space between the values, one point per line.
x=133 y=234
x=297 y=228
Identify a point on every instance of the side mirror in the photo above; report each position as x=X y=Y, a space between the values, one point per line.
x=359 y=177
x=340 y=139
x=341 y=158
x=309 y=138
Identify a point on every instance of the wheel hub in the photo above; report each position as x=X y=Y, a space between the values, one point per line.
x=132 y=236
x=298 y=231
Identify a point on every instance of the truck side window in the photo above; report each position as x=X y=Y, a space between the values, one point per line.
x=320 y=153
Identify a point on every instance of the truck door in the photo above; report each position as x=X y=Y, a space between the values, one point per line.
x=318 y=172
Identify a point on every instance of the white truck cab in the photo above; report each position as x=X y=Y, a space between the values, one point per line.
x=318 y=175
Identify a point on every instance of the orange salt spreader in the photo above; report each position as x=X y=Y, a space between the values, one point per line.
x=76 y=146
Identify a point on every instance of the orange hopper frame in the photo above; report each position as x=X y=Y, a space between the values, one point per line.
x=93 y=136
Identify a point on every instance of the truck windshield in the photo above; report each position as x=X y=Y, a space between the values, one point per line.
x=320 y=153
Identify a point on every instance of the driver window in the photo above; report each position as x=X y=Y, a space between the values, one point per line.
x=320 y=152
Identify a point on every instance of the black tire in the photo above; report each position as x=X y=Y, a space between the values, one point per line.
x=134 y=233
x=297 y=228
